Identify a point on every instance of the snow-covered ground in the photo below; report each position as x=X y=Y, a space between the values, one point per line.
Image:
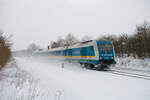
x=42 y=80
x=134 y=63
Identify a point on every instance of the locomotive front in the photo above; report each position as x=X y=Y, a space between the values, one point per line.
x=106 y=52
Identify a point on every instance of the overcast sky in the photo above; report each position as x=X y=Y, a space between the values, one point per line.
x=41 y=21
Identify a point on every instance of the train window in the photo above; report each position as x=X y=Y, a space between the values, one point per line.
x=76 y=52
x=105 y=47
x=92 y=49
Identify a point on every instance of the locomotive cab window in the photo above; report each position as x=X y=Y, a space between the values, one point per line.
x=105 y=47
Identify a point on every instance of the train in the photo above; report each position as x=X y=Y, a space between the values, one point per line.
x=93 y=54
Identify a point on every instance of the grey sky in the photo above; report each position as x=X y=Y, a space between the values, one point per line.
x=41 y=21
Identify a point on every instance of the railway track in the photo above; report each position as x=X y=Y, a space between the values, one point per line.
x=131 y=69
x=128 y=74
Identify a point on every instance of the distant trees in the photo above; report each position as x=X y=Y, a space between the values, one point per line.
x=32 y=47
x=5 y=52
x=70 y=39
x=137 y=45
x=54 y=45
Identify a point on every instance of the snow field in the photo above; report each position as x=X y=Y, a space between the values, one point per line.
x=77 y=83
x=47 y=80
x=130 y=62
x=16 y=84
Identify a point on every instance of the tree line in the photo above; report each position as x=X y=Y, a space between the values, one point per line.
x=136 y=45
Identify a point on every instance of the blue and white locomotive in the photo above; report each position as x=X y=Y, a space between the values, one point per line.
x=94 y=54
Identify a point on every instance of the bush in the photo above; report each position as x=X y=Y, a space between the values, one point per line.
x=5 y=52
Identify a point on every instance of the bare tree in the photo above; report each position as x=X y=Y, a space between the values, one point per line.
x=70 y=39
x=142 y=37
x=54 y=44
x=60 y=42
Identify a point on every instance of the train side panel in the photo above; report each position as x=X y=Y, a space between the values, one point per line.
x=81 y=55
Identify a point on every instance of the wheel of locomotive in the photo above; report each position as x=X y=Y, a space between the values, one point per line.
x=85 y=65
x=102 y=67
x=88 y=66
x=91 y=66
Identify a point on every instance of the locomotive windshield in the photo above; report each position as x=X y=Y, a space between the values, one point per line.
x=105 y=47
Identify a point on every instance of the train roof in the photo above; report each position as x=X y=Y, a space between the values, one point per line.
x=76 y=45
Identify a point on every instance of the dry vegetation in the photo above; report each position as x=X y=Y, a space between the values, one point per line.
x=5 y=52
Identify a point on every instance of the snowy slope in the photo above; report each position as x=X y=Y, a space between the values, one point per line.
x=52 y=82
